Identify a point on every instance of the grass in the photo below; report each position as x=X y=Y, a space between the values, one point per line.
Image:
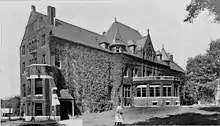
x=157 y=116
x=131 y=115
x=183 y=119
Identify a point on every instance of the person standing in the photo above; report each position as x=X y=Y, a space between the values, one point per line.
x=119 y=115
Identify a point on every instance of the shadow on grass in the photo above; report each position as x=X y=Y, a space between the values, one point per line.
x=184 y=119
x=210 y=109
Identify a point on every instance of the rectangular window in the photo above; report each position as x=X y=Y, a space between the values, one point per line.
x=34 y=60
x=38 y=109
x=157 y=91
x=169 y=91
x=24 y=90
x=151 y=91
x=43 y=39
x=136 y=72
x=126 y=73
x=23 y=50
x=164 y=91
x=38 y=86
x=23 y=67
x=126 y=91
x=138 y=92
x=29 y=46
x=29 y=87
x=132 y=72
x=43 y=59
x=30 y=62
x=144 y=92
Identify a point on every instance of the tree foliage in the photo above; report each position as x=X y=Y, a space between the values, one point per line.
x=12 y=102
x=203 y=71
x=197 y=6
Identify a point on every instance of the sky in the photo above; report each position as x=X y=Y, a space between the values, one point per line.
x=164 y=19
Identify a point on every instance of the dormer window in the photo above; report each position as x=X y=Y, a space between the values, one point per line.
x=117 y=49
x=104 y=45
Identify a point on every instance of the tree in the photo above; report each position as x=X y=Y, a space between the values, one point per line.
x=197 y=6
x=200 y=69
x=204 y=71
x=189 y=93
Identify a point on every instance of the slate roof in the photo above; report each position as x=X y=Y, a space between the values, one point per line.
x=126 y=32
x=85 y=37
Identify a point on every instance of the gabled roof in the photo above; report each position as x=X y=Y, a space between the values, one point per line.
x=141 y=42
x=126 y=32
x=165 y=57
x=176 y=67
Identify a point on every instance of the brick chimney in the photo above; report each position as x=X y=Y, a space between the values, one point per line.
x=51 y=14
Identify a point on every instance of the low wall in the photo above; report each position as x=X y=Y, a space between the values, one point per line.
x=156 y=101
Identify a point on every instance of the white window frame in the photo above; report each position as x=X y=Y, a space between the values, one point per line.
x=154 y=87
x=166 y=90
x=126 y=73
x=141 y=87
x=128 y=89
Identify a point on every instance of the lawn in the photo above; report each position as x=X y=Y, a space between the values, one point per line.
x=156 y=116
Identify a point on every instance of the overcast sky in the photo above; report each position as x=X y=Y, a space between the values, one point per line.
x=164 y=18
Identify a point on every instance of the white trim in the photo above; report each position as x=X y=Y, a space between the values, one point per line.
x=41 y=76
x=166 y=86
x=154 y=97
x=154 y=101
x=38 y=95
x=168 y=101
x=38 y=65
x=140 y=86
x=154 y=85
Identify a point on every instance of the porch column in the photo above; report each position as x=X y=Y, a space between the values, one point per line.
x=73 y=108
x=178 y=90
x=161 y=89
x=44 y=108
x=148 y=90
x=172 y=89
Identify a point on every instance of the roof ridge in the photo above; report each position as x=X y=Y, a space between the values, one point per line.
x=72 y=24
x=79 y=27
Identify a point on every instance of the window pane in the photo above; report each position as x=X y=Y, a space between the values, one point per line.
x=164 y=91
x=169 y=91
x=129 y=91
x=38 y=86
x=138 y=92
x=151 y=91
x=157 y=91
x=144 y=92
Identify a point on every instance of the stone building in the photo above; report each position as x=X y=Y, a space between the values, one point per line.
x=119 y=61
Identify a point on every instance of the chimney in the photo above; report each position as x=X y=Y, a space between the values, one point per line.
x=51 y=14
x=33 y=8
x=171 y=57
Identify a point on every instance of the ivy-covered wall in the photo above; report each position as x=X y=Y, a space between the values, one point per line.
x=93 y=77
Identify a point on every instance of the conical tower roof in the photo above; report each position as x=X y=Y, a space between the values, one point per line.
x=164 y=55
x=118 y=41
